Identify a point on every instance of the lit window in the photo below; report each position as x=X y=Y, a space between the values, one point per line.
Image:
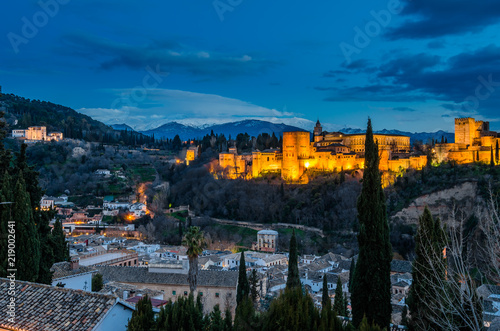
x=174 y=293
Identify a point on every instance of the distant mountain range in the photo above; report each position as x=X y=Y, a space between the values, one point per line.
x=255 y=127
x=252 y=127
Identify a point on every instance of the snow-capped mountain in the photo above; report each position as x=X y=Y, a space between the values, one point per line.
x=252 y=127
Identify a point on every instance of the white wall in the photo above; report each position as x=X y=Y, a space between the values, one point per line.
x=76 y=282
x=116 y=319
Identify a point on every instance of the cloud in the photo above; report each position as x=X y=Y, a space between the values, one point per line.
x=188 y=108
x=403 y=109
x=468 y=82
x=171 y=55
x=431 y=18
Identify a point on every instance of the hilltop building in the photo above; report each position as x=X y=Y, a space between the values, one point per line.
x=474 y=142
x=267 y=241
x=327 y=151
x=37 y=133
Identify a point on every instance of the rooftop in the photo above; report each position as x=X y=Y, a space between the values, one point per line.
x=142 y=275
x=43 y=307
x=63 y=269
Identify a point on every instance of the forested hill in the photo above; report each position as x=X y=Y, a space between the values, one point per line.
x=22 y=113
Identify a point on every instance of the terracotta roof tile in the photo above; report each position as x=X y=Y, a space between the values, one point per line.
x=43 y=307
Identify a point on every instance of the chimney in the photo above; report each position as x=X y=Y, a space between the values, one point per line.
x=75 y=263
x=125 y=295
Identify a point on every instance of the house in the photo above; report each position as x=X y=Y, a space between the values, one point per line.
x=400 y=267
x=47 y=202
x=253 y=259
x=308 y=258
x=137 y=207
x=45 y=307
x=103 y=172
x=72 y=275
x=315 y=280
x=214 y=287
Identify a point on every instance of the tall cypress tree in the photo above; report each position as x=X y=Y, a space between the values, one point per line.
x=429 y=270
x=243 y=289
x=293 y=266
x=46 y=247
x=371 y=295
x=351 y=273
x=492 y=160
x=5 y=217
x=60 y=248
x=325 y=298
x=28 y=247
x=338 y=302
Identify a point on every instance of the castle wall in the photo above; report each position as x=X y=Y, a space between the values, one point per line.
x=465 y=130
x=295 y=145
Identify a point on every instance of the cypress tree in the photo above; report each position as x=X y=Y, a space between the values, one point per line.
x=492 y=161
x=371 y=295
x=429 y=245
x=28 y=243
x=338 y=302
x=96 y=283
x=5 y=217
x=325 y=298
x=46 y=247
x=228 y=320
x=253 y=280
x=243 y=289
x=351 y=273
x=293 y=267
x=142 y=317
x=61 y=250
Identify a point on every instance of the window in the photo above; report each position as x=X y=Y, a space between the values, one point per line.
x=186 y=293
x=174 y=293
x=217 y=294
x=200 y=294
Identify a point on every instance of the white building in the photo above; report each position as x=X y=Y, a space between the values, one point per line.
x=72 y=275
x=267 y=240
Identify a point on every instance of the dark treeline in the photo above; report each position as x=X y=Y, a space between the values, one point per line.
x=326 y=203
x=63 y=119
x=28 y=243
x=243 y=142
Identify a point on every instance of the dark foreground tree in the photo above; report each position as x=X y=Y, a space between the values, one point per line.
x=28 y=249
x=96 y=283
x=243 y=289
x=293 y=266
x=142 y=317
x=428 y=269
x=371 y=296
x=338 y=303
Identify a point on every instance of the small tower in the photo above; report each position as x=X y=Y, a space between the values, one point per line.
x=317 y=132
x=318 y=129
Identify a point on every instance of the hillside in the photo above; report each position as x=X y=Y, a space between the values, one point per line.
x=21 y=113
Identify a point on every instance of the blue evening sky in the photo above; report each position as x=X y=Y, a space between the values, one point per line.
x=409 y=65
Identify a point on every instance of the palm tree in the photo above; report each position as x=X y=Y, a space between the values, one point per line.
x=195 y=242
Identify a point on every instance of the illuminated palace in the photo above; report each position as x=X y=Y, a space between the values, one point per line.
x=327 y=151
x=474 y=142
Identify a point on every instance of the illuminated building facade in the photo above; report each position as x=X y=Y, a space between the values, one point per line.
x=474 y=142
x=327 y=151
x=37 y=133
